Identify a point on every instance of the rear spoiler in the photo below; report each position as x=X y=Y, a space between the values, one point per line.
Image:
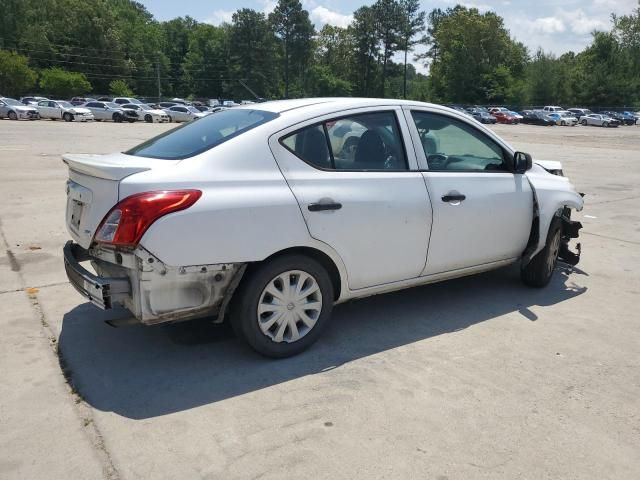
x=110 y=167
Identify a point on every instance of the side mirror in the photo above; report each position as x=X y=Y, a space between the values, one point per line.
x=522 y=162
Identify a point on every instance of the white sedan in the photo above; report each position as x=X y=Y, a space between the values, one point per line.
x=60 y=109
x=267 y=216
x=184 y=113
x=148 y=114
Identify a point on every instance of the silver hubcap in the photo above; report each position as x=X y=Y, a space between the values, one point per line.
x=554 y=249
x=289 y=306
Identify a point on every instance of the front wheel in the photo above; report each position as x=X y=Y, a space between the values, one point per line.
x=170 y=119
x=67 y=117
x=148 y=119
x=584 y=123
x=605 y=124
x=538 y=272
x=283 y=305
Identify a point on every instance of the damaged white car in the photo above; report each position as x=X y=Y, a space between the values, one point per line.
x=267 y=215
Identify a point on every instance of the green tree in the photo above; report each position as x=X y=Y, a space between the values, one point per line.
x=292 y=26
x=365 y=34
x=60 y=83
x=472 y=58
x=252 y=59
x=389 y=20
x=16 y=78
x=412 y=24
x=120 y=88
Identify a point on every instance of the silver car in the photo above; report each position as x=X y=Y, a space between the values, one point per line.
x=56 y=109
x=183 y=113
x=15 y=110
x=148 y=114
x=105 y=111
x=599 y=120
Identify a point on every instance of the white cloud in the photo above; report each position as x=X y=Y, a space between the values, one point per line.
x=545 y=25
x=321 y=15
x=580 y=23
x=220 y=16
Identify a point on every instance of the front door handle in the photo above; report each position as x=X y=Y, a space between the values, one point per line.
x=321 y=207
x=453 y=197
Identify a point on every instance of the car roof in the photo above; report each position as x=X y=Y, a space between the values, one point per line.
x=328 y=103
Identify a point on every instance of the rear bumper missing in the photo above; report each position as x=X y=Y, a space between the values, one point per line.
x=102 y=292
x=151 y=290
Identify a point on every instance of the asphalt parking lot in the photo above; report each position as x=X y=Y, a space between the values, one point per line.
x=476 y=378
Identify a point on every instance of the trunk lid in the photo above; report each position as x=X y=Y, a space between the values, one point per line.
x=93 y=188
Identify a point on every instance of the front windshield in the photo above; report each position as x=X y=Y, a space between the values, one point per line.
x=201 y=134
x=112 y=105
x=135 y=101
x=193 y=109
x=65 y=104
x=145 y=107
x=11 y=101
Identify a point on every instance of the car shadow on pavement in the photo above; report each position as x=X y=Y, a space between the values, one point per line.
x=142 y=372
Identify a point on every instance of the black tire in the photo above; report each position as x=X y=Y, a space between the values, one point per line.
x=131 y=120
x=605 y=124
x=538 y=272
x=584 y=123
x=117 y=118
x=170 y=119
x=13 y=115
x=67 y=117
x=148 y=119
x=244 y=312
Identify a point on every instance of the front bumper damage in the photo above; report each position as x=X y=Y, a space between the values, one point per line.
x=151 y=290
x=570 y=230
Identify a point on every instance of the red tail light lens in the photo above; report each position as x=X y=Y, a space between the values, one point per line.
x=126 y=223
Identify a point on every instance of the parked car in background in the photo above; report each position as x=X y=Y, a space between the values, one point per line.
x=14 y=110
x=599 y=120
x=482 y=116
x=202 y=108
x=180 y=227
x=106 y=111
x=32 y=100
x=164 y=105
x=61 y=109
x=552 y=109
x=579 y=112
x=516 y=114
x=530 y=117
x=635 y=116
x=77 y=101
x=498 y=109
x=567 y=119
x=624 y=120
x=505 y=117
x=148 y=114
x=183 y=113
x=125 y=100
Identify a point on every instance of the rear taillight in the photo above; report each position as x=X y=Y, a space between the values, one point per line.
x=125 y=223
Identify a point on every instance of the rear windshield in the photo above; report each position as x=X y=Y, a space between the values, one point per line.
x=201 y=134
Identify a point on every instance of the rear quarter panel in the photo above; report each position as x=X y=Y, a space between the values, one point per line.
x=246 y=213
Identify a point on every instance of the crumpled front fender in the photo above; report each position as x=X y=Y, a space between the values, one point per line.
x=552 y=194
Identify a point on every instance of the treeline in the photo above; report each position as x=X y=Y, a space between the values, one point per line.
x=75 y=46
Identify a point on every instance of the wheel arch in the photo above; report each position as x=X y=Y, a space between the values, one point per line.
x=318 y=255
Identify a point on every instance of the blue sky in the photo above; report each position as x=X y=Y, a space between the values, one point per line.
x=556 y=26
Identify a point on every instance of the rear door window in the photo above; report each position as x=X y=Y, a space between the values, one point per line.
x=201 y=134
x=362 y=142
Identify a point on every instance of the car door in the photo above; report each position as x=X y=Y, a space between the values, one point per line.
x=45 y=107
x=360 y=192
x=482 y=212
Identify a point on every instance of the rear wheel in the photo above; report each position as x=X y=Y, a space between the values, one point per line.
x=67 y=117
x=538 y=272
x=148 y=119
x=281 y=307
x=13 y=116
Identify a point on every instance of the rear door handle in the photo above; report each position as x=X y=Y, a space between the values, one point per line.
x=321 y=207
x=450 y=197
